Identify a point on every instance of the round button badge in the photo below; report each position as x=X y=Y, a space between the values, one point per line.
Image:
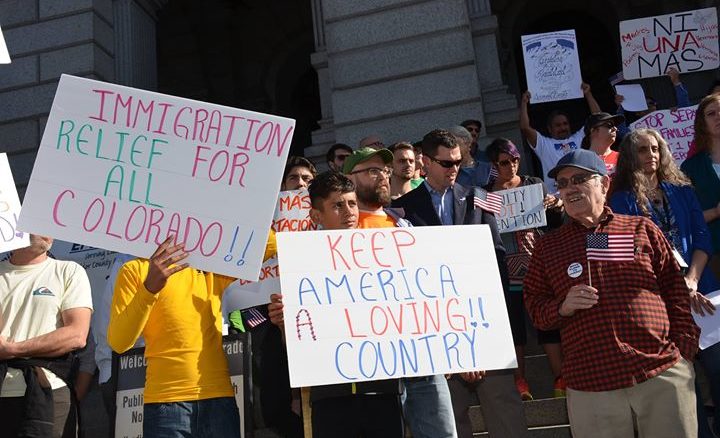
x=574 y=270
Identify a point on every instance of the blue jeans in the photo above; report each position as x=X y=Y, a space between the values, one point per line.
x=428 y=408
x=209 y=418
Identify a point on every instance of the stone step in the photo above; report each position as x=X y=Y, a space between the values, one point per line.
x=562 y=431
x=538 y=413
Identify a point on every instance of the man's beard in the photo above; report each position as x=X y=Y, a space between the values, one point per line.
x=373 y=196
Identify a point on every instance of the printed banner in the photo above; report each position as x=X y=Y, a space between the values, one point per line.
x=387 y=303
x=10 y=237
x=131 y=383
x=552 y=66
x=292 y=212
x=687 y=41
x=522 y=209
x=675 y=126
x=121 y=168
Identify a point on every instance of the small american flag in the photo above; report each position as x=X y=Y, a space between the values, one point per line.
x=617 y=247
x=492 y=202
x=253 y=317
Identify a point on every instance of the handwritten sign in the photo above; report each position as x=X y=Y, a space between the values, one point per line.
x=131 y=383
x=242 y=294
x=522 y=209
x=121 y=169
x=675 y=126
x=383 y=303
x=552 y=66
x=10 y=237
x=292 y=212
x=687 y=41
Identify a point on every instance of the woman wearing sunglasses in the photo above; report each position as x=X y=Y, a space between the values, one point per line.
x=649 y=183
x=600 y=134
x=519 y=246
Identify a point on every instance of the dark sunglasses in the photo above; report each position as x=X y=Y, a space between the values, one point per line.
x=513 y=160
x=446 y=163
x=575 y=180
x=609 y=125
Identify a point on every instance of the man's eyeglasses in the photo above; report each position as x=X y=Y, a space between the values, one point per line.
x=446 y=163
x=375 y=172
x=509 y=161
x=580 y=178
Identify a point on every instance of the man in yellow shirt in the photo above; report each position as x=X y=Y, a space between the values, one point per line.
x=177 y=309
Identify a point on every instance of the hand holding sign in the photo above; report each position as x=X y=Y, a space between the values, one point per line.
x=161 y=265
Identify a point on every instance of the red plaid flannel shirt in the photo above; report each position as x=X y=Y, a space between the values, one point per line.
x=642 y=320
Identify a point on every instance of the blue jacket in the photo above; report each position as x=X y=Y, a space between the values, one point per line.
x=692 y=229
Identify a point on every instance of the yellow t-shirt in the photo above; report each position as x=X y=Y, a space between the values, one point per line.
x=182 y=327
x=369 y=219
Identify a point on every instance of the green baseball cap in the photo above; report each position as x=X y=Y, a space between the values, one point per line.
x=364 y=154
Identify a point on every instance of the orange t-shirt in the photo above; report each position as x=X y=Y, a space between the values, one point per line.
x=369 y=219
x=611 y=160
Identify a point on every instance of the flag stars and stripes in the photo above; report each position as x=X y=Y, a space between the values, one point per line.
x=617 y=247
x=492 y=203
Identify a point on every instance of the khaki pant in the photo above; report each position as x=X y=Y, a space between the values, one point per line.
x=664 y=406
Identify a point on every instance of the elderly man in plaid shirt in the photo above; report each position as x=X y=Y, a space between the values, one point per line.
x=612 y=286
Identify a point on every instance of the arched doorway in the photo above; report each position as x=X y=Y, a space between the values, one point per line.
x=245 y=54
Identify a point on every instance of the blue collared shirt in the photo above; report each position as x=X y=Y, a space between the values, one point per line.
x=443 y=203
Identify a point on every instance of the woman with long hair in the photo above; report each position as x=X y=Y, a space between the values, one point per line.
x=649 y=183
x=703 y=168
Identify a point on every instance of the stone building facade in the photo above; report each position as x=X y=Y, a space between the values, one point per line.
x=344 y=69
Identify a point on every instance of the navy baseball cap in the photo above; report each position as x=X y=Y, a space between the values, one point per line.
x=582 y=159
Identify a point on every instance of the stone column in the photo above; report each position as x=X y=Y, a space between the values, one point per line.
x=324 y=137
x=500 y=108
x=135 y=42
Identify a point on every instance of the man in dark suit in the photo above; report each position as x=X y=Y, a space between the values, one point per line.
x=440 y=201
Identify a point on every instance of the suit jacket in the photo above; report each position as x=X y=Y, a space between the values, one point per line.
x=419 y=210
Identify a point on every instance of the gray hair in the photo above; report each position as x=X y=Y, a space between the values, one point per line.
x=460 y=133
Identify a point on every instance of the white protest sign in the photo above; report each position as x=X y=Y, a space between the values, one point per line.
x=633 y=97
x=121 y=169
x=4 y=55
x=675 y=126
x=552 y=66
x=293 y=212
x=242 y=294
x=687 y=41
x=10 y=237
x=522 y=209
x=385 y=303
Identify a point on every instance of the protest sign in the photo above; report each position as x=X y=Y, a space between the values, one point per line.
x=121 y=169
x=675 y=126
x=4 y=55
x=552 y=66
x=131 y=383
x=634 y=97
x=385 y=303
x=522 y=208
x=242 y=294
x=10 y=236
x=687 y=41
x=292 y=212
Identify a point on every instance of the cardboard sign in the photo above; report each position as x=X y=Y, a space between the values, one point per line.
x=687 y=41
x=386 y=303
x=675 y=126
x=552 y=66
x=522 y=209
x=10 y=237
x=131 y=383
x=121 y=169
x=292 y=212
x=242 y=294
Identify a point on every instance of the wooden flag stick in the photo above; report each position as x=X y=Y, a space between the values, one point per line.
x=589 y=273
